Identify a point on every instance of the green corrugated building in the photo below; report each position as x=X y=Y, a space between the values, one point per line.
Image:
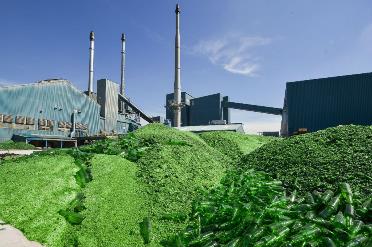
x=312 y=105
x=55 y=110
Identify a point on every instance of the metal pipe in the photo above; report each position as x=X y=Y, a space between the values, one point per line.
x=73 y=133
x=177 y=73
x=91 y=62
x=122 y=79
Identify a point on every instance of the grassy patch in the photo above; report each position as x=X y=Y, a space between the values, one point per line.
x=33 y=190
x=234 y=144
x=319 y=160
x=7 y=145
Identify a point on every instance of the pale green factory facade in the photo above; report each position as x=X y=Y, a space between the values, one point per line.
x=56 y=109
x=46 y=108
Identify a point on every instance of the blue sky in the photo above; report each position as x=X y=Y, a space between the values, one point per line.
x=245 y=49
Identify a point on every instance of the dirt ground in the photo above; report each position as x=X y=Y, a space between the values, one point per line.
x=11 y=237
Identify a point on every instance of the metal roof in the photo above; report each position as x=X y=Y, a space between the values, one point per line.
x=35 y=83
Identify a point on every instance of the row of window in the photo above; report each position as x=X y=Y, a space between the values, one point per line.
x=43 y=124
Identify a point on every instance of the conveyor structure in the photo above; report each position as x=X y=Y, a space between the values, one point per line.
x=253 y=108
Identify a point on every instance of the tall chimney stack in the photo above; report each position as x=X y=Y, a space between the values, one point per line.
x=122 y=79
x=177 y=76
x=91 y=62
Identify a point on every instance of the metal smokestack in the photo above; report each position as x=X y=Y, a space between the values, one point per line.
x=91 y=62
x=177 y=76
x=122 y=79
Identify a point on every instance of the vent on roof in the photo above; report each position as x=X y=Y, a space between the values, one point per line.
x=53 y=80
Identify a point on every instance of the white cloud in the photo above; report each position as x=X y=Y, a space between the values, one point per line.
x=234 y=54
x=237 y=65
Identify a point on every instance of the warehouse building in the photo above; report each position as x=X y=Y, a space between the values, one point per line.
x=317 y=104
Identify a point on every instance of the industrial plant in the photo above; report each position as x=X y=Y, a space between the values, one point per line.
x=54 y=113
x=98 y=177
x=309 y=105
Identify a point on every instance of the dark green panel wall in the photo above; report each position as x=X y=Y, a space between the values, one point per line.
x=322 y=103
x=205 y=109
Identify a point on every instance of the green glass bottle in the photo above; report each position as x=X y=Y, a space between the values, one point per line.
x=233 y=243
x=309 y=198
x=349 y=210
x=346 y=192
x=293 y=196
x=326 y=196
x=331 y=207
x=357 y=241
x=328 y=242
x=356 y=227
x=308 y=232
x=278 y=237
x=339 y=220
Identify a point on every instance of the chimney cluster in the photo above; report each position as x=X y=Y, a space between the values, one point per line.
x=176 y=104
x=91 y=64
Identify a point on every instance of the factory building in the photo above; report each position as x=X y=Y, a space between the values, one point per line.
x=309 y=105
x=48 y=108
x=198 y=111
x=54 y=113
x=317 y=104
x=184 y=110
x=211 y=109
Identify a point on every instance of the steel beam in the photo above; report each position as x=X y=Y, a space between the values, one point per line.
x=254 y=108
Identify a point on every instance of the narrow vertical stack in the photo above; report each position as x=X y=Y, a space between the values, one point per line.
x=91 y=62
x=122 y=79
x=177 y=77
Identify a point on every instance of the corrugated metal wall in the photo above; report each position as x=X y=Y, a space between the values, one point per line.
x=205 y=109
x=107 y=97
x=51 y=100
x=126 y=124
x=322 y=103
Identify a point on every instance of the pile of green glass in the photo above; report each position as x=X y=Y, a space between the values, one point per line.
x=318 y=161
x=251 y=209
x=234 y=144
x=163 y=187
x=7 y=145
